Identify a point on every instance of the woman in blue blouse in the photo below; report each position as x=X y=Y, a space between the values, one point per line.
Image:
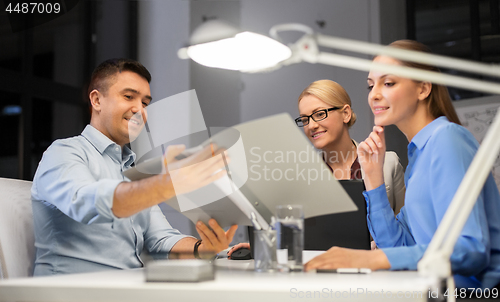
x=439 y=153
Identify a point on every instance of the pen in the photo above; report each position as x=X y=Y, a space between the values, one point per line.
x=345 y=271
x=254 y=221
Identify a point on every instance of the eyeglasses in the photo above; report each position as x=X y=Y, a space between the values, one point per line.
x=317 y=116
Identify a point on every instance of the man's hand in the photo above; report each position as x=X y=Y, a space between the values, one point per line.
x=242 y=245
x=215 y=239
x=371 y=156
x=337 y=257
x=195 y=171
x=186 y=175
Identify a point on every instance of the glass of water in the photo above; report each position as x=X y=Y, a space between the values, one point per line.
x=290 y=237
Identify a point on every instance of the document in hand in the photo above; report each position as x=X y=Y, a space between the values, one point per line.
x=271 y=163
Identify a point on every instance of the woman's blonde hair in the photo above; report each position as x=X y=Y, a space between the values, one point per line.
x=331 y=93
x=439 y=101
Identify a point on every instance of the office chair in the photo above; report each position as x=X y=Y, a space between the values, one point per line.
x=17 y=239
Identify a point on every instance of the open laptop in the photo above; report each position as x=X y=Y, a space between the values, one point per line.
x=348 y=230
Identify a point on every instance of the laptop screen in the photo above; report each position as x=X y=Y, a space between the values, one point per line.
x=348 y=229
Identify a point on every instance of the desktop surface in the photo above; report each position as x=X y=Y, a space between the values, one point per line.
x=233 y=280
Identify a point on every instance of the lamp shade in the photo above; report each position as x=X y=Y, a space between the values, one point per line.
x=217 y=44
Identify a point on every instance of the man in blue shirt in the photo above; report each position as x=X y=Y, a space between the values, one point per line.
x=87 y=215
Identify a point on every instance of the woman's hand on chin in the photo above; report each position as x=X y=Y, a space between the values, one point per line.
x=371 y=155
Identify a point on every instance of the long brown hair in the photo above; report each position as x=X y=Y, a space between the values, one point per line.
x=438 y=101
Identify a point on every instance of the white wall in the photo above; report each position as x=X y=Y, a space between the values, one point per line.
x=163 y=29
x=218 y=90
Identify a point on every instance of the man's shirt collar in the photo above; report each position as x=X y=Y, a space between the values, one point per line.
x=101 y=142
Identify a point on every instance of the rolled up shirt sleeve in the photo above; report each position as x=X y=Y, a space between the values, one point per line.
x=160 y=237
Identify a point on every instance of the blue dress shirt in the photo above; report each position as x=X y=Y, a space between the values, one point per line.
x=72 y=195
x=438 y=157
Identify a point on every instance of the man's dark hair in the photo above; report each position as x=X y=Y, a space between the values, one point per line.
x=104 y=75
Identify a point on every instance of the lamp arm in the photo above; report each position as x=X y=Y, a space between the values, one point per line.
x=306 y=49
x=403 y=71
x=273 y=32
x=408 y=55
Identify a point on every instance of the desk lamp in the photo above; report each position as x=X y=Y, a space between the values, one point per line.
x=220 y=45
x=436 y=260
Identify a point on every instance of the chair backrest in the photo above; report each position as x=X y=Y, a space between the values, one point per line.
x=17 y=239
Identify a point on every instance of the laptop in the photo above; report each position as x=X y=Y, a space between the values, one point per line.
x=348 y=229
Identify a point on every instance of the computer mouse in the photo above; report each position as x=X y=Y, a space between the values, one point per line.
x=241 y=254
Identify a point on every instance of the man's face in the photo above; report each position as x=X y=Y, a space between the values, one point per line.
x=121 y=112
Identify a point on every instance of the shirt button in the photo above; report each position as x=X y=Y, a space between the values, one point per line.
x=117 y=149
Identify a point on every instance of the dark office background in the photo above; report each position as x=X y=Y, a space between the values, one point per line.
x=43 y=70
x=43 y=73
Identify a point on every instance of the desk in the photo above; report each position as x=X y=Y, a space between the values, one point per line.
x=234 y=281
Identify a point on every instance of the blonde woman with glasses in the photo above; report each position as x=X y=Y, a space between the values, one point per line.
x=326 y=116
